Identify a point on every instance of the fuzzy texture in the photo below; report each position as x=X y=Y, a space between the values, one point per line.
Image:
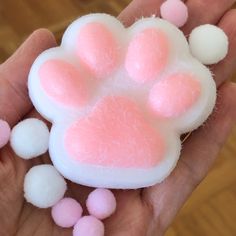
x=44 y=186
x=209 y=44
x=98 y=53
x=30 y=138
x=101 y=203
x=5 y=132
x=86 y=137
x=174 y=11
x=120 y=137
x=52 y=76
x=147 y=55
x=66 y=212
x=171 y=102
x=89 y=226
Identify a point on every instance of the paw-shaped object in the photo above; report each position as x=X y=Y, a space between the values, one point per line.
x=119 y=99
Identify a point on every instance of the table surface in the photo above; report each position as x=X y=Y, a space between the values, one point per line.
x=211 y=210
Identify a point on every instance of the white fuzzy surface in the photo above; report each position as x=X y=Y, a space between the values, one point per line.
x=209 y=44
x=44 y=186
x=30 y=138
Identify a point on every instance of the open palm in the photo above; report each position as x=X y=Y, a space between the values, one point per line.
x=140 y=212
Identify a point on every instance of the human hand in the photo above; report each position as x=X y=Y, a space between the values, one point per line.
x=139 y=212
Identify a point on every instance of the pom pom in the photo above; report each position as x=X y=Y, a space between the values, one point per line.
x=5 y=132
x=209 y=44
x=30 y=138
x=88 y=226
x=44 y=186
x=101 y=203
x=174 y=11
x=66 y=212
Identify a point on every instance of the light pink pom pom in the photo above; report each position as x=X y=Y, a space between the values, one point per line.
x=66 y=212
x=89 y=226
x=174 y=11
x=5 y=132
x=101 y=203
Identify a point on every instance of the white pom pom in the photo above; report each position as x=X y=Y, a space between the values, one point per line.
x=44 y=186
x=209 y=44
x=30 y=138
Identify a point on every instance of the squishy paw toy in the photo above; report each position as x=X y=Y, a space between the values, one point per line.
x=119 y=99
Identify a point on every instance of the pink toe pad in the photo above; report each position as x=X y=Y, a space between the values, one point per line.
x=147 y=55
x=97 y=48
x=116 y=135
x=173 y=96
x=63 y=82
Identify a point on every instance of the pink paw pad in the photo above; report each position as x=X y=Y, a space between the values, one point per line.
x=115 y=135
x=63 y=82
x=98 y=49
x=147 y=55
x=173 y=96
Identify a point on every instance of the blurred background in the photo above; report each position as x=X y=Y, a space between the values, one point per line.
x=211 y=210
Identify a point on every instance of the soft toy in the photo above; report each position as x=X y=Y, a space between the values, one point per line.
x=118 y=99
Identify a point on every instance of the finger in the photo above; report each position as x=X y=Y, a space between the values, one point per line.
x=198 y=155
x=198 y=15
x=214 y=133
x=205 y=11
x=14 y=101
x=225 y=68
x=198 y=11
x=139 y=8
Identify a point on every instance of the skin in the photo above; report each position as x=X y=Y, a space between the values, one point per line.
x=139 y=212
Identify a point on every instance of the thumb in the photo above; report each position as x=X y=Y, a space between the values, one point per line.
x=14 y=101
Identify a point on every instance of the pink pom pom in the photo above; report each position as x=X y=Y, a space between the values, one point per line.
x=66 y=212
x=88 y=226
x=174 y=11
x=5 y=132
x=101 y=203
